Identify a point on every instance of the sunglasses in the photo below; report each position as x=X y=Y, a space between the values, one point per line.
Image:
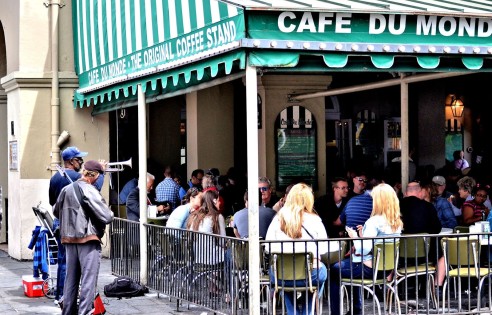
x=360 y=179
x=79 y=160
x=264 y=188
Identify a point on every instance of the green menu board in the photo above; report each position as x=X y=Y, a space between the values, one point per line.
x=296 y=157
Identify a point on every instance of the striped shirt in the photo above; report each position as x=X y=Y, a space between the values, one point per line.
x=357 y=211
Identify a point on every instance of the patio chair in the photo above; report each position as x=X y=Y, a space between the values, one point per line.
x=414 y=252
x=240 y=274
x=385 y=258
x=462 y=256
x=294 y=267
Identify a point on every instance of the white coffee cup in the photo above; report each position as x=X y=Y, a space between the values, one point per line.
x=152 y=211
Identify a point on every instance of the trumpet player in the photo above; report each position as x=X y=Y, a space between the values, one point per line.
x=72 y=163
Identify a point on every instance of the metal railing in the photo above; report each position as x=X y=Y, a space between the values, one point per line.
x=125 y=248
x=212 y=271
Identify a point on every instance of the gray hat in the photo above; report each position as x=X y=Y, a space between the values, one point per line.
x=439 y=180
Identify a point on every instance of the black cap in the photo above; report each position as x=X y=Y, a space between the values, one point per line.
x=93 y=166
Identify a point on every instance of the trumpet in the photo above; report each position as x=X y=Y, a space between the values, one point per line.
x=118 y=166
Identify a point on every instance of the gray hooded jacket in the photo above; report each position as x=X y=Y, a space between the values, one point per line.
x=80 y=224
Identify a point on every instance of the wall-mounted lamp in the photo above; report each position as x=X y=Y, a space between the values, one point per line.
x=456 y=104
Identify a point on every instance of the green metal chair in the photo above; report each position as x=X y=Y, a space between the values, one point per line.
x=412 y=251
x=334 y=256
x=462 y=257
x=385 y=258
x=240 y=273
x=293 y=267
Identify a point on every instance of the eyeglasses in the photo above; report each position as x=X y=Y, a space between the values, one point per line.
x=264 y=188
x=481 y=196
x=360 y=179
x=342 y=188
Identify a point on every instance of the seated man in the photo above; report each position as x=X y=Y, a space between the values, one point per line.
x=133 y=201
x=241 y=220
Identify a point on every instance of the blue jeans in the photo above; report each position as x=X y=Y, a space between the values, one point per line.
x=347 y=269
x=292 y=304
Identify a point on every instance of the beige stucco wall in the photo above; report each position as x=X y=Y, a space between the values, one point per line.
x=3 y=161
x=210 y=121
x=277 y=88
x=28 y=86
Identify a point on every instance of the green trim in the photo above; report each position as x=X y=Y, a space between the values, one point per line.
x=165 y=82
x=310 y=61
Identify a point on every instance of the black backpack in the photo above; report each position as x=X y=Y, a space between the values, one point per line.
x=124 y=287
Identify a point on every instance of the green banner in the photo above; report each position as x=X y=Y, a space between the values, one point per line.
x=197 y=44
x=343 y=27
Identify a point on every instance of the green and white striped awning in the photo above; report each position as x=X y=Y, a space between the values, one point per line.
x=122 y=43
x=171 y=45
x=455 y=7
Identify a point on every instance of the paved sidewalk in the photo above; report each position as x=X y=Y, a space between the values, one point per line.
x=13 y=300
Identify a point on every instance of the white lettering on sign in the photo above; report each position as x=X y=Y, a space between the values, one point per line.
x=187 y=45
x=190 y=44
x=94 y=76
x=158 y=54
x=393 y=24
x=113 y=69
x=221 y=34
x=449 y=26
x=282 y=26
x=342 y=23
x=287 y=21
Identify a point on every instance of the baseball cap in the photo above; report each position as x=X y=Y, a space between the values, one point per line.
x=93 y=166
x=72 y=152
x=439 y=180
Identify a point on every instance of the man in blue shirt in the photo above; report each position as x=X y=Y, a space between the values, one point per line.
x=241 y=225
x=356 y=212
x=168 y=190
x=127 y=189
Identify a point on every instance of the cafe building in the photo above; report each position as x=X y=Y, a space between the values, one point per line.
x=284 y=89
x=324 y=82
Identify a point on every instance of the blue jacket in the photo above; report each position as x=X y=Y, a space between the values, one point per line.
x=40 y=244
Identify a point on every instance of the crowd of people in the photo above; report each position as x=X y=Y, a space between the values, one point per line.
x=358 y=205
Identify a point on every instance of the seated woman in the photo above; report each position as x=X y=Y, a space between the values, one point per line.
x=474 y=210
x=209 y=250
x=384 y=221
x=191 y=202
x=297 y=221
x=208 y=220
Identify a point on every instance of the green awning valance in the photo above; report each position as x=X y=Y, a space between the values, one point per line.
x=116 y=96
x=366 y=62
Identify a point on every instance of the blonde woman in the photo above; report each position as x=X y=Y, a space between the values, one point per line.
x=384 y=221
x=296 y=220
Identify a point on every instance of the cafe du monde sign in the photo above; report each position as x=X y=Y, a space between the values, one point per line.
x=379 y=28
x=167 y=54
